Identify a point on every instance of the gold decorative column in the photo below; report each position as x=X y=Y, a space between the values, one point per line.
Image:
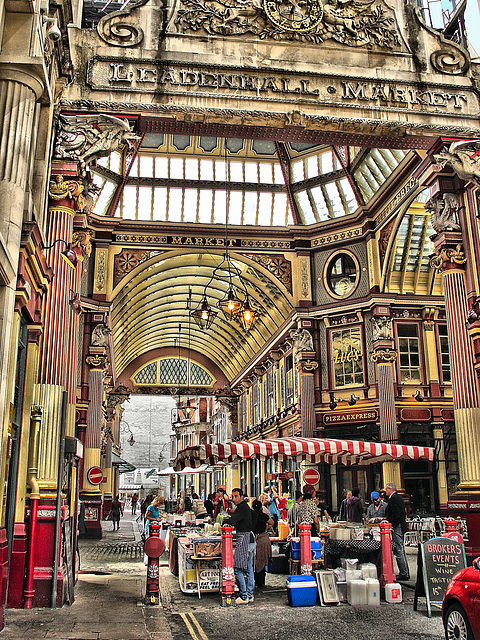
x=91 y=494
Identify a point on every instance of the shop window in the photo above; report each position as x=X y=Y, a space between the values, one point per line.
x=256 y=403
x=270 y=393
x=409 y=352
x=282 y=401
x=444 y=353
x=347 y=355
x=342 y=274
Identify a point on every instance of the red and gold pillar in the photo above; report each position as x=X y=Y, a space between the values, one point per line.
x=58 y=356
x=306 y=368
x=450 y=261
x=384 y=356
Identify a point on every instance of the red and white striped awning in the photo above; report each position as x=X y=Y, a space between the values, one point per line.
x=312 y=450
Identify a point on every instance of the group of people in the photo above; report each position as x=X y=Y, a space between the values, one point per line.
x=385 y=505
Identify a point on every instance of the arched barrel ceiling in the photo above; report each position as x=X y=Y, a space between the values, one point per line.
x=148 y=309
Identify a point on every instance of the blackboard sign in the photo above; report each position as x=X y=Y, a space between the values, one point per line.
x=438 y=560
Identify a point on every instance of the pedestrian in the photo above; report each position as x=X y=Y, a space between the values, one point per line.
x=263 y=552
x=145 y=504
x=243 y=556
x=377 y=508
x=221 y=503
x=116 y=509
x=152 y=514
x=307 y=510
x=342 y=514
x=396 y=515
x=134 y=504
x=210 y=504
x=292 y=511
x=355 y=507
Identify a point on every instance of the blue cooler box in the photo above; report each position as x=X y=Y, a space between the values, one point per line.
x=315 y=544
x=302 y=591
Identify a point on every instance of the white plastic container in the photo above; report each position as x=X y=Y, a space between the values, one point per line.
x=357 y=592
x=349 y=563
x=369 y=570
x=373 y=591
x=353 y=575
x=393 y=592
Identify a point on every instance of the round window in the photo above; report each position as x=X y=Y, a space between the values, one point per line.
x=342 y=274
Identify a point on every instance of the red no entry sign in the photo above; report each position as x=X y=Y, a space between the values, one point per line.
x=95 y=475
x=311 y=476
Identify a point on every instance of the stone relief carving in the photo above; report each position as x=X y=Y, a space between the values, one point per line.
x=129 y=259
x=303 y=340
x=114 y=30
x=100 y=336
x=355 y=23
x=464 y=158
x=444 y=212
x=381 y=328
x=278 y=265
x=86 y=138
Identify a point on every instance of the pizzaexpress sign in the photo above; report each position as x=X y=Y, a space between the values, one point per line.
x=162 y=77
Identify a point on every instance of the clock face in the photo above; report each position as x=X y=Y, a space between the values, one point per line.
x=295 y=15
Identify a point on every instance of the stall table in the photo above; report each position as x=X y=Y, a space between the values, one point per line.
x=366 y=550
x=197 y=573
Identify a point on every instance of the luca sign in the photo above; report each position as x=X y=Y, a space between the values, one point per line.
x=172 y=78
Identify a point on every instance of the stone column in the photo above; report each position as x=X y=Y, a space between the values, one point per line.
x=19 y=91
x=384 y=356
x=450 y=261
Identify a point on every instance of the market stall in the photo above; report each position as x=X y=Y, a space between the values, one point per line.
x=314 y=450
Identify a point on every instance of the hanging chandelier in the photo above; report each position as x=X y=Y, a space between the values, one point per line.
x=235 y=304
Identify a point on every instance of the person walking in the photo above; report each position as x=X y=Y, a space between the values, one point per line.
x=116 y=510
x=342 y=514
x=263 y=552
x=134 y=504
x=244 y=554
x=396 y=515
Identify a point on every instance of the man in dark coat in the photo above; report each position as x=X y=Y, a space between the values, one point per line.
x=396 y=515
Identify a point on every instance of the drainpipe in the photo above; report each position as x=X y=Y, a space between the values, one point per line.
x=35 y=422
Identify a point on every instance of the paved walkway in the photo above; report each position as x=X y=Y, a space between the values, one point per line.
x=108 y=596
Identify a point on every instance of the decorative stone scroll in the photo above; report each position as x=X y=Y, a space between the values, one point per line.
x=362 y=23
x=306 y=366
x=381 y=328
x=86 y=138
x=464 y=158
x=114 y=30
x=444 y=212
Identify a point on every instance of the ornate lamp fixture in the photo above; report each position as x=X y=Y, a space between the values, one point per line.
x=68 y=254
x=233 y=306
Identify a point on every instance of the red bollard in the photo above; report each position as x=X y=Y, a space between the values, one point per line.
x=305 y=549
x=388 y=574
x=154 y=547
x=228 y=574
x=451 y=530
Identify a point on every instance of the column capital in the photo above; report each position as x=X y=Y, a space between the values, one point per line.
x=306 y=366
x=66 y=191
x=448 y=258
x=384 y=354
x=97 y=361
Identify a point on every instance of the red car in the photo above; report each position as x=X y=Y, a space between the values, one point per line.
x=461 y=605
